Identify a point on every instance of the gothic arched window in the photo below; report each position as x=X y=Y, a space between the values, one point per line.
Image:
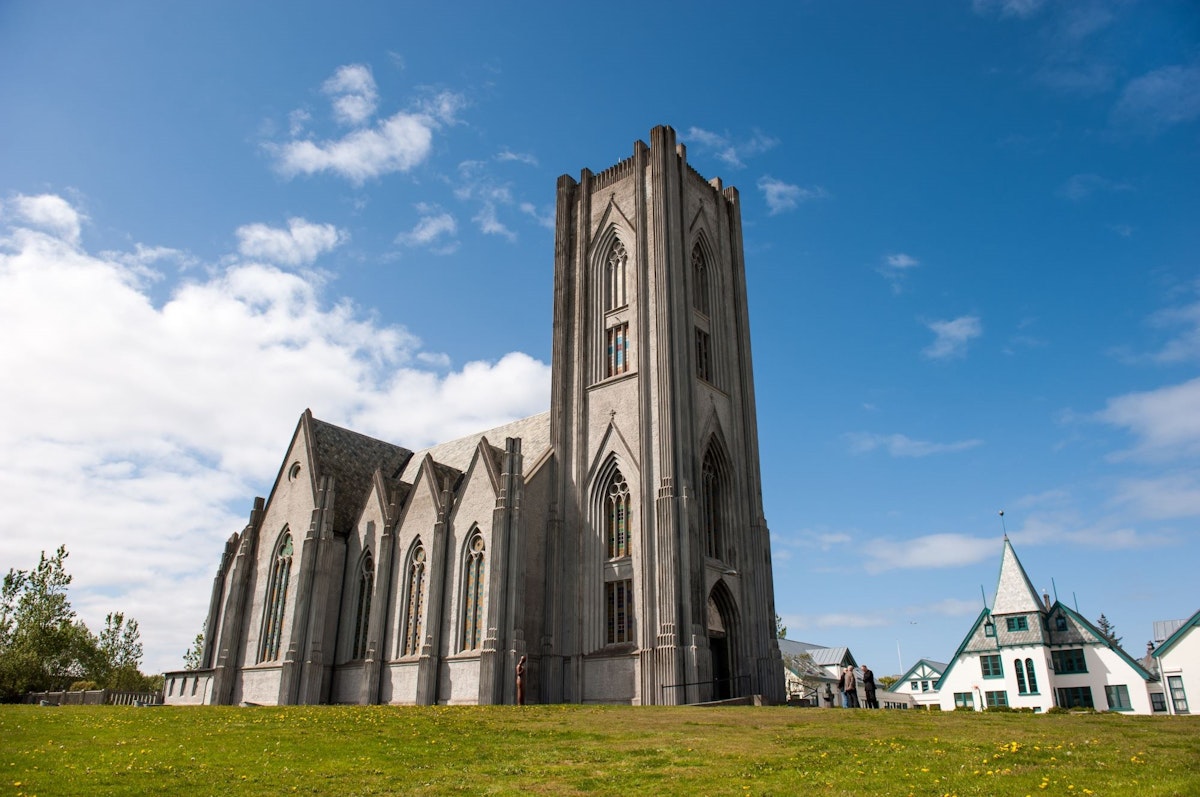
x=614 y=273
x=1030 y=675
x=700 y=294
x=276 y=599
x=712 y=504
x=362 y=613
x=1020 y=670
x=476 y=573
x=616 y=516
x=415 y=619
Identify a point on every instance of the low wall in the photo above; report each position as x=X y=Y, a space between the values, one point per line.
x=95 y=697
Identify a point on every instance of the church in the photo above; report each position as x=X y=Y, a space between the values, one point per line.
x=616 y=543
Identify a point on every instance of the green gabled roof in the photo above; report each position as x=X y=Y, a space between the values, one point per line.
x=936 y=666
x=983 y=615
x=1014 y=592
x=1145 y=674
x=1179 y=634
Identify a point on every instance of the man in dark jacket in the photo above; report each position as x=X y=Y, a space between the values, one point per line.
x=868 y=679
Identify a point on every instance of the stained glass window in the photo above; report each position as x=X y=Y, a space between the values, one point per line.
x=473 y=603
x=415 y=618
x=362 y=614
x=617 y=517
x=276 y=599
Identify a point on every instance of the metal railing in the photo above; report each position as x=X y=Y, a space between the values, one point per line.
x=739 y=686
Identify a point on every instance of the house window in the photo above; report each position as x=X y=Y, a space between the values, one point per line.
x=991 y=666
x=276 y=600
x=924 y=686
x=415 y=618
x=989 y=628
x=1060 y=623
x=473 y=597
x=1020 y=670
x=703 y=360
x=614 y=271
x=619 y=600
x=362 y=614
x=617 y=342
x=1075 y=697
x=1068 y=661
x=1178 y=696
x=1032 y=676
x=616 y=518
x=1017 y=623
x=915 y=685
x=964 y=700
x=1158 y=701
x=994 y=699
x=1118 y=697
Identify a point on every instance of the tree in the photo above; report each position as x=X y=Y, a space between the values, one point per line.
x=42 y=645
x=808 y=676
x=780 y=628
x=120 y=649
x=193 y=657
x=886 y=681
x=1108 y=630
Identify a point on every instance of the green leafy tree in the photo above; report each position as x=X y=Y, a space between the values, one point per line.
x=780 y=628
x=193 y=657
x=886 y=681
x=120 y=649
x=42 y=645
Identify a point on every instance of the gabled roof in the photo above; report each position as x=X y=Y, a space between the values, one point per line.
x=937 y=666
x=1014 y=593
x=983 y=615
x=1164 y=628
x=534 y=432
x=351 y=459
x=1103 y=640
x=1180 y=633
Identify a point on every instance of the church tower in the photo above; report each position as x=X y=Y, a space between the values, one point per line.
x=657 y=555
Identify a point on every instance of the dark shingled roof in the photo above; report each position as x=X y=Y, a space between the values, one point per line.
x=352 y=459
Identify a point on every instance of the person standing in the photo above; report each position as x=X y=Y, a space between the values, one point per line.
x=849 y=687
x=868 y=679
x=521 y=682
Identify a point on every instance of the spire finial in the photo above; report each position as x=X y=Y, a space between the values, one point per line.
x=1002 y=526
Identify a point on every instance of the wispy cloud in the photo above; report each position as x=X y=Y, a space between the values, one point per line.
x=509 y=156
x=1165 y=422
x=489 y=224
x=929 y=551
x=952 y=337
x=781 y=196
x=902 y=446
x=896 y=267
x=436 y=229
x=155 y=420
x=300 y=244
x=353 y=94
x=1008 y=8
x=1164 y=497
x=1082 y=186
x=1160 y=99
x=395 y=144
x=728 y=150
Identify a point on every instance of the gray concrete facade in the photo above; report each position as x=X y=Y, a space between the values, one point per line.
x=617 y=541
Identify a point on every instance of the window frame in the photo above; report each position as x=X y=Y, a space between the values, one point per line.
x=991 y=665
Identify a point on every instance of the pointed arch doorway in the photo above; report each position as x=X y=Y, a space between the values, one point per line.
x=722 y=641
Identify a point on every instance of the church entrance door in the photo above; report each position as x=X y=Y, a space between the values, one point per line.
x=721 y=644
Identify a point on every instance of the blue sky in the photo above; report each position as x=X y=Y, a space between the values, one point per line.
x=970 y=233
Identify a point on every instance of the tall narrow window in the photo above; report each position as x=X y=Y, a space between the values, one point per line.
x=276 y=600
x=473 y=600
x=712 y=504
x=616 y=519
x=1178 y=695
x=619 y=600
x=699 y=280
x=362 y=612
x=703 y=359
x=416 y=604
x=1031 y=675
x=618 y=350
x=614 y=270
x=1020 y=669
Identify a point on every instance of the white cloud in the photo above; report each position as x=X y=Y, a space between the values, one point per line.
x=396 y=144
x=946 y=607
x=300 y=244
x=436 y=230
x=518 y=157
x=544 y=217
x=491 y=225
x=1161 y=98
x=896 y=267
x=726 y=149
x=1008 y=8
x=952 y=337
x=50 y=213
x=1166 y=421
x=1081 y=186
x=929 y=551
x=148 y=426
x=353 y=93
x=898 y=445
x=1186 y=345
x=1169 y=496
x=781 y=196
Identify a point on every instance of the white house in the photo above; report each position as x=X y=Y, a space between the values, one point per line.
x=918 y=686
x=1026 y=652
x=1177 y=660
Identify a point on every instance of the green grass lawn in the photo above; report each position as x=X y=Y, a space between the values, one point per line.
x=584 y=749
